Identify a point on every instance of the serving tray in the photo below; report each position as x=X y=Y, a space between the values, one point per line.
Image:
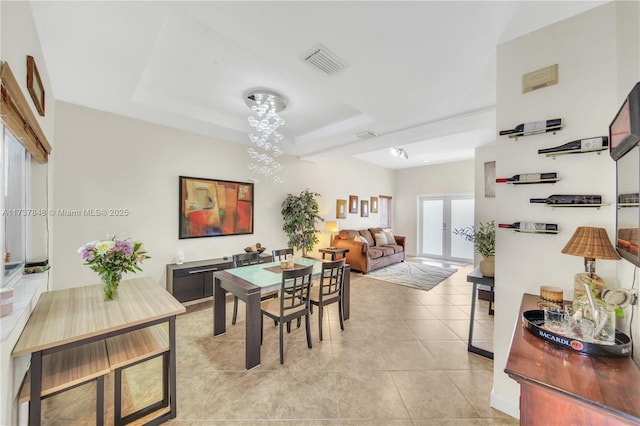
x=534 y=322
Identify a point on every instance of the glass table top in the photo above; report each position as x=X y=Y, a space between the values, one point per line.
x=263 y=277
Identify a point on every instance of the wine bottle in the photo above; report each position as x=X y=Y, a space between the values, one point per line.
x=633 y=198
x=534 y=127
x=529 y=226
x=579 y=145
x=528 y=178
x=568 y=199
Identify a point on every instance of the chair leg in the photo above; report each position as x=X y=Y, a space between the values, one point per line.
x=307 y=323
x=289 y=327
x=261 y=329
x=281 y=343
x=235 y=310
x=299 y=321
x=320 y=309
x=341 y=314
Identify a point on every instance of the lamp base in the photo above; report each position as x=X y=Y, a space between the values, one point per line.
x=585 y=278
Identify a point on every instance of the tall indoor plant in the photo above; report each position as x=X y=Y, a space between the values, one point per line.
x=300 y=214
x=484 y=241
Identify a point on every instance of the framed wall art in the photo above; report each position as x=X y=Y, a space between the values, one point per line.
x=364 y=208
x=214 y=208
x=374 y=205
x=341 y=209
x=353 y=204
x=34 y=85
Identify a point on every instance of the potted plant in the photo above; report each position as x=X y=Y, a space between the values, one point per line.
x=484 y=241
x=300 y=214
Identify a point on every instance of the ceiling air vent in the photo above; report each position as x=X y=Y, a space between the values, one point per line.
x=324 y=60
x=367 y=134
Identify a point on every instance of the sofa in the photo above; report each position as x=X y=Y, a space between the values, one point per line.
x=368 y=254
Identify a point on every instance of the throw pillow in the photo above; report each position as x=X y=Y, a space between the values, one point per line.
x=391 y=239
x=360 y=239
x=380 y=238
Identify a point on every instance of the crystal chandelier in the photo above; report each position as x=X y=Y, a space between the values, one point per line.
x=264 y=121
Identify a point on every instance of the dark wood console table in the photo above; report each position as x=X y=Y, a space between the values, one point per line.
x=558 y=386
x=480 y=282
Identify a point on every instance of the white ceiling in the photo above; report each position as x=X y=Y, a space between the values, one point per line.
x=420 y=74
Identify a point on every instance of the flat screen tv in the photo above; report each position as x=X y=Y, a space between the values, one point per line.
x=624 y=130
x=213 y=208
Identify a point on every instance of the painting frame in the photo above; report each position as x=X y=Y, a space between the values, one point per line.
x=214 y=207
x=353 y=204
x=34 y=85
x=341 y=209
x=373 y=207
x=364 y=208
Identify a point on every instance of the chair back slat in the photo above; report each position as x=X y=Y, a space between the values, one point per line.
x=244 y=259
x=281 y=254
x=331 y=278
x=295 y=288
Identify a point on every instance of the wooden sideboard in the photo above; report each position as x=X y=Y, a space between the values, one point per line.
x=562 y=387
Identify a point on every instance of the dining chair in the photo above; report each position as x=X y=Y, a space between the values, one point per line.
x=244 y=259
x=281 y=254
x=329 y=290
x=292 y=303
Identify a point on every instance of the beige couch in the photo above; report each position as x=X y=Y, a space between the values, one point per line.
x=367 y=256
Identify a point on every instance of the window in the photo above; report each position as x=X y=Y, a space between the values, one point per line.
x=385 y=211
x=15 y=202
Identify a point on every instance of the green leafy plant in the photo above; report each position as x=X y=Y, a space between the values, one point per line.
x=300 y=214
x=484 y=239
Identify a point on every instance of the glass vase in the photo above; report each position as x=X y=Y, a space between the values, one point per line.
x=110 y=284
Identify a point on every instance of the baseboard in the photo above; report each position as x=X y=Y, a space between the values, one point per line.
x=504 y=405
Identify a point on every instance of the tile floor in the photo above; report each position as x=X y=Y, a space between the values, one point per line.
x=401 y=360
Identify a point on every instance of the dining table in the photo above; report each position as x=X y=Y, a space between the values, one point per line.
x=68 y=318
x=248 y=283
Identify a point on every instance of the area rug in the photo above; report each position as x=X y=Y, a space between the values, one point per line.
x=416 y=275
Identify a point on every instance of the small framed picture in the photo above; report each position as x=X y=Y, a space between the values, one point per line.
x=353 y=204
x=374 y=205
x=341 y=209
x=364 y=208
x=34 y=85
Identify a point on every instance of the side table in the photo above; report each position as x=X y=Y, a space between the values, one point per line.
x=334 y=252
x=480 y=282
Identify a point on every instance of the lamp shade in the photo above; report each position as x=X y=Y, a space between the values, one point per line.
x=331 y=226
x=592 y=243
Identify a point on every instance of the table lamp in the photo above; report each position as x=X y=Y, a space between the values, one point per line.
x=590 y=243
x=331 y=226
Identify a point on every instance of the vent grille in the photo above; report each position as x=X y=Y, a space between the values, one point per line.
x=367 y=134
x=324 y=60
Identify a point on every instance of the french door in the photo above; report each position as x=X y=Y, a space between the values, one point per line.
x=438 y=217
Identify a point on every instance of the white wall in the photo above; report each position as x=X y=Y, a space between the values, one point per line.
x=438 y=179
x=586 y=97
x=485 y=206
x=18 y=38
x=112 y=162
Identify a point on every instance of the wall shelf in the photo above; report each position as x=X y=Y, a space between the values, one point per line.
x=577 y=205
x=532 y=231
x=576 y=151
x=534 y=181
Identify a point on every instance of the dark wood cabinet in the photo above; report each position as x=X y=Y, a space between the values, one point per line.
x=562 y=387
x=194 y=280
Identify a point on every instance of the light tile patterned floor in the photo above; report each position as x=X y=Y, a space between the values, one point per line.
x=401 y=360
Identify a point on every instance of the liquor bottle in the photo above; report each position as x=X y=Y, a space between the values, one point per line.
x=530 y=226
x=568 y=199
x=528 y=178
x=534 y=128
x=579 y=145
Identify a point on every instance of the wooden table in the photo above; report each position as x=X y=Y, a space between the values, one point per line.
x=247 y=283
x=559 y=386
x=480 y=282
x=68 y=318
x=334 y=252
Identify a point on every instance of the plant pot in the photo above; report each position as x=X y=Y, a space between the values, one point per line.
x=488 y=266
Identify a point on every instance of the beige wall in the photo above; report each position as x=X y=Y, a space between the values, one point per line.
x=586 y=98
x=438 y=179
x=112 y=162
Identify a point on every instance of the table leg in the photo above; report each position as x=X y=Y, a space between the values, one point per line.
x=470 y=347
x=252 y=347
x=172 y=368
x=36 y=388
x=219 y=308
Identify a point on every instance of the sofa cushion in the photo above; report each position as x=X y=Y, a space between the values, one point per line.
x=368 y=236
x=391 y=239
x=380 y=238
x=375 y=252
x=347 y=234
x=360 y=239
x=397 y=248
x=386 y=250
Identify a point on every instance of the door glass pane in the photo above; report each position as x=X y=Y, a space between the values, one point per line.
x=432 y=220
x=462 y=212
x=14 y=201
